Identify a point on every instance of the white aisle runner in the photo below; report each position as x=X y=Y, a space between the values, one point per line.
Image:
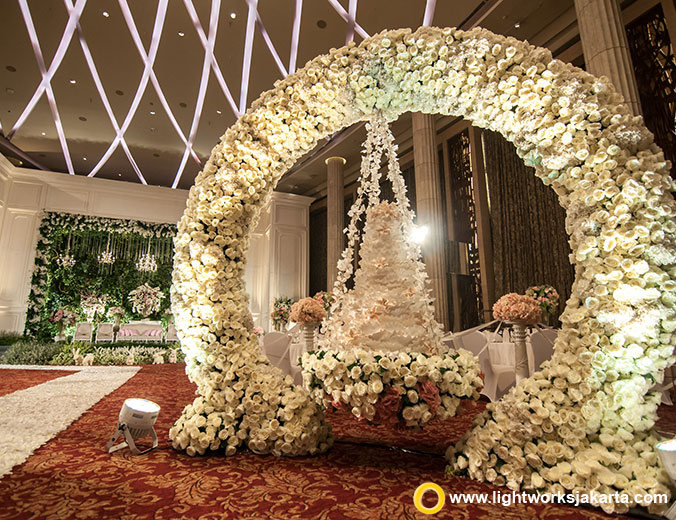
x=31 y=417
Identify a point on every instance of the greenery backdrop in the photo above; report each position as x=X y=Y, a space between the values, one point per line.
x=54 y=286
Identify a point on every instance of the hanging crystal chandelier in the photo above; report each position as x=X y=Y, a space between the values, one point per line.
x=147 y=262
x=66 y=260
x=107 y=256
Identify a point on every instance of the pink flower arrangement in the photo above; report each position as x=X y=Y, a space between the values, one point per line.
x=63 y=316
x=546 y=296
x=517 y=307
x=430 y=394
x=388 y=407
x=258 y=331
x=307 y=310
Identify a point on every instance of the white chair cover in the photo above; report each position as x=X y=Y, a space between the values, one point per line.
x=542 y=343
x=83 y=331
x=276 y=348
x=171 y=333
x=104 y=332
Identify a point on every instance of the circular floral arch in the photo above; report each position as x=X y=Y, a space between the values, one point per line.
x=583 y=422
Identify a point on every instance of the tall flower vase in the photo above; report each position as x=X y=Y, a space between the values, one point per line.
x=60 y=336
x=309 y=330
x=520 y=351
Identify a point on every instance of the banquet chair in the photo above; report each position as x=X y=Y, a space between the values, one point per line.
x=104 y=332
x=83 y=331
x=503 y=372
x=171 y=333
x=276 y=348
x=542 y=343
x=476 y=343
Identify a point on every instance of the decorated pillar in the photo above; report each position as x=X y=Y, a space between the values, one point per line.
x=334 y=217
x=429 y=210
x=605 y=48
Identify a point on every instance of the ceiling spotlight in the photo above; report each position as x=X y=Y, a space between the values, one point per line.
x=44 y=133
x=180 y=33
x=137 y=418
x=119 y=175
x=152 y=112
x=233 y=15
x=218 y=112
x=73 y=82
x=105 y=13
x=84 y=158
x=517 y=25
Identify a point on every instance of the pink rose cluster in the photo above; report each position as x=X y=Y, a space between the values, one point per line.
x=517 y=307
x=307 y=310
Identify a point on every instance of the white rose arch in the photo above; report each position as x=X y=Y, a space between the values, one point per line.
x=584 y=421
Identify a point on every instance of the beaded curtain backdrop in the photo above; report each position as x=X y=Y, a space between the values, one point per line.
x=581 y=424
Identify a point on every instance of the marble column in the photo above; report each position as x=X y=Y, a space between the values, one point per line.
x=605 y=48
x=430 y=210
x=334 y=217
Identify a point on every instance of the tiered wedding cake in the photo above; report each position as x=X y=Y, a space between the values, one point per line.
x=389 y=308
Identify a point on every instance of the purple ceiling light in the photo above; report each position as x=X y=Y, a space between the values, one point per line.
x=345 y=16
x=45 y=75
x=214 y=64
x=351 y=20
x=248 y=48
x=430 y=7
x=73 y=19
x=295 y=35
x=271 y=47
x=102 y=93
x=143 y=83
x=153 y=78
x=204 y=81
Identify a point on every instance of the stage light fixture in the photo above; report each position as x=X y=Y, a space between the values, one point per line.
x=137 y=418
x=418 y=234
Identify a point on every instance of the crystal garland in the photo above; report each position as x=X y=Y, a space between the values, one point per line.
x=147 y=262
x=107 y=256
x=66 y=260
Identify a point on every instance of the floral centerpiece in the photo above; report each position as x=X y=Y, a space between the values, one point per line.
x=63 y=318
x=517 y=308
x=281 y=308
x=307 y=311
x=116 y=314
x=92 y=305
x=392 y=387
x=146 y=300
x=546 y=296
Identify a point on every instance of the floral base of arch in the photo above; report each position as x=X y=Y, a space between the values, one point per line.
x=395 y=388
x=582 y=423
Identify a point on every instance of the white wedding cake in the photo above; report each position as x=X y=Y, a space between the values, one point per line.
x=389 y=308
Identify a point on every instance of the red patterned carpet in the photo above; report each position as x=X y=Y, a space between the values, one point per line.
x=73 y=477
x=12 y=380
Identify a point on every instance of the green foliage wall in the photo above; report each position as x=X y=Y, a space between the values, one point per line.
x=56 y=287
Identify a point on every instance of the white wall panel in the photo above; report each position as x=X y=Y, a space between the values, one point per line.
x=25 y=195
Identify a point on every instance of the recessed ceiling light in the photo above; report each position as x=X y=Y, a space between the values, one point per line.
x=517 y=25
x=233 y=15
x=152 y=128
x=321 y=24
x=119 y=93
x=218 y=112
x=152 y=112
x=119 y=175
x=182 y=104
x=44 y=133
x=73 y=82
x=156 y=155
x=181 y=33
x=105 y=13
x=9 y=90
x=84 y=158
x=82 y=118
x=10 y=68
